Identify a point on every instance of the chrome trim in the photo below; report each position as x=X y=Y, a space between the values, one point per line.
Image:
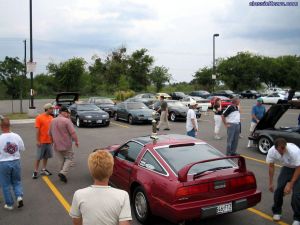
x=166 y=175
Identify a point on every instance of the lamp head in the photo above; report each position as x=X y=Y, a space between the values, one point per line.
x=216 y=35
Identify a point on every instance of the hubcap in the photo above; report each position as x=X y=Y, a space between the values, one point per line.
x=264 y=145
x=140 y=204
x=173 y=116
x=77 y=122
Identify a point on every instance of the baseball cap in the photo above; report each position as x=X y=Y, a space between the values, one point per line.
x=259 y=100
x=64 y=109
x=193 y=103
x=48 y=106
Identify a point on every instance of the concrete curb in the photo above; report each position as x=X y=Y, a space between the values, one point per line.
x=24 y=121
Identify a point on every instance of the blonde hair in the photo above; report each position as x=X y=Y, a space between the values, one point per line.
x=101 y=164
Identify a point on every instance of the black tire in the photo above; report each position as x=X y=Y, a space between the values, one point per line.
x=172 y=116
x=78 y=122
x=141 y=206
x=264 y=144
x=116 y=118
x=107 y=124
x=130 y=119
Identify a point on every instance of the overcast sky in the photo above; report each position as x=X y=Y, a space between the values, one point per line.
x=178 y=34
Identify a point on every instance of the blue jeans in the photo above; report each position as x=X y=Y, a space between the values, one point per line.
x=233 y=132
x=191 y=133
x=10 y=177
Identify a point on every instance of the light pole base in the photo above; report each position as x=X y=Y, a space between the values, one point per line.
x=32 y=112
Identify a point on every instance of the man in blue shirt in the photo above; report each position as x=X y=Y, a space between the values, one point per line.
x=258 y=111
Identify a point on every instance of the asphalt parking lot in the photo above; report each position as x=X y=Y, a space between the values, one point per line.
x=47 y=200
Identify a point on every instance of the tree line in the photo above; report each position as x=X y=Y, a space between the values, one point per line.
x=120 y=71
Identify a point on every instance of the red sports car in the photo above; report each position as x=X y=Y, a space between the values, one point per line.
x=225 y=102
x=181 y=178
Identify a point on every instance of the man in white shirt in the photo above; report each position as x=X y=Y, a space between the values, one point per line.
x=231 y=118
x=11 y=144
x=288 y=154
x=100 y=203
x=191 y=120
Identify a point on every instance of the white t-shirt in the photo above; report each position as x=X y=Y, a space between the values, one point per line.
x=189 y=116
x=101 y=205
x=291 y=158
x=10 y=146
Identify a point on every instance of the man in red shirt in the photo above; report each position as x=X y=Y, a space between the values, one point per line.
x=63 y=134
x=43 y=140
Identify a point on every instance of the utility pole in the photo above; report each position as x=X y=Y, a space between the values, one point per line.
x=22 y=83
x=31 y=106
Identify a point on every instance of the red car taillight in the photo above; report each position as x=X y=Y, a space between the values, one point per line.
x=245 y=182
x=192 y=190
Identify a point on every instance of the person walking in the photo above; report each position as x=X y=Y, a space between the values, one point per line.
x=191 y=120
x=231 y=118
x=217 y=117
x=100 y=203
x=43 y=140
x=63 y=133
x=163 y=121
x=11 y=144
x=258 y=111
x=288 y=154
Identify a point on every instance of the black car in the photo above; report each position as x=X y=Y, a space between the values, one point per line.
x=250 y=94
x=265 y=132
x=201 y=93
x=176 y=110
x=88 y=114
x=146 y=98
x=134 y=112
x=64 y=99
x=177 y=95
x=106 y=104
x=225 y=93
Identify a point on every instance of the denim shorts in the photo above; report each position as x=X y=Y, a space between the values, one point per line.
x=44 y=152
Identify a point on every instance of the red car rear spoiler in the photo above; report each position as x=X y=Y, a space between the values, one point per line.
x=183 y=173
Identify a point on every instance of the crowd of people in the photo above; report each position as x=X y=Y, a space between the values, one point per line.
x=102 y=204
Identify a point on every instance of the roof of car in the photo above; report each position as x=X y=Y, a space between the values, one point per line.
x=164 y=139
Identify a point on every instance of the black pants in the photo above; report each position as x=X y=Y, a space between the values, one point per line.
x=285 y=176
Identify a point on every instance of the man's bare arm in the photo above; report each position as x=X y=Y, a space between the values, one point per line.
x=77 y=221
x=127 y=222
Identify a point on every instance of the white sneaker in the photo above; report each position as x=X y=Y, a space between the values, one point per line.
x=217 y=137
x=276 y=217
x=20 y=202
x=296 y=222
x=8 y=207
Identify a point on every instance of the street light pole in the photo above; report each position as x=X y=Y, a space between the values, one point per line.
x=214 y=60
x=31 y=105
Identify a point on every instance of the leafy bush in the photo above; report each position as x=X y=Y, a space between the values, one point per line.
x=122 y=95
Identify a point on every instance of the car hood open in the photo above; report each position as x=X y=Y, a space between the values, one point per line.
x=272 y=116
x=67 y=96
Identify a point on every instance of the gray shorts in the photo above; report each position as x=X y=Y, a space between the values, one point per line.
x=44 y=152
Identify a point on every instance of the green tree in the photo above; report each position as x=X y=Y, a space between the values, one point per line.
x=68 y=74
x=240 y=72
x=139 y=69
x=159 y=76
x=203 y=78
x=11 y=74
x=44 y=84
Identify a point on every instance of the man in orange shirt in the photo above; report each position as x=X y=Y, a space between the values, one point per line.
x=43 y=140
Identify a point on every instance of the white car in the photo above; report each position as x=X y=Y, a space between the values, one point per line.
x=202 y=104
x=273 y=98
x=270 y=91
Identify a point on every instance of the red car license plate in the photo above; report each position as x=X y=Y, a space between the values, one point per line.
x=224 y=208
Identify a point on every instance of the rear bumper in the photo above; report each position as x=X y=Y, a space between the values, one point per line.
x=208 y=208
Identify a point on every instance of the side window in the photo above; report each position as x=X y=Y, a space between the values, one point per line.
x=149 y=162
x=122 y=106
x=130 y=151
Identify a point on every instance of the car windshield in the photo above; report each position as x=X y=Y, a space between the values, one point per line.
x=136 y=105
x=228 y=92
x=180 y=156
x=103 y=101
x=204 y=92
x=176 y=104
x=181 y=94
x=87 y=107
